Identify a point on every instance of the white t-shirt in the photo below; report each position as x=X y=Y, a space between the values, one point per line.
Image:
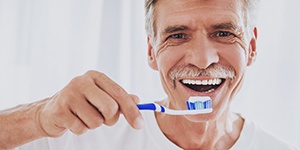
x=122 y=136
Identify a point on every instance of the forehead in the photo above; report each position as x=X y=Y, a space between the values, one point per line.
x=194 y=13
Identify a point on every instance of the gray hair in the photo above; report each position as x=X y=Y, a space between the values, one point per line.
x=250 y=13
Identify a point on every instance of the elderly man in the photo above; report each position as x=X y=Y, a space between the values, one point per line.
x=199 y=48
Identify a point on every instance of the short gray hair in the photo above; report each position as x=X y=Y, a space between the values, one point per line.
x=250 y=12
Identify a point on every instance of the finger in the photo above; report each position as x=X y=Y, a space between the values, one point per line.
x=78 y=127
x=88 y=114
x=61 y=110
x=72 y=122
x=97 y=98
x=135 y=98
x=105 y=104
x=125 y=101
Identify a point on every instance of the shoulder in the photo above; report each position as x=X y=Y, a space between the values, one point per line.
x=253 y=137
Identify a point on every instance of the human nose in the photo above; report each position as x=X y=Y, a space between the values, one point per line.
x=202 y=54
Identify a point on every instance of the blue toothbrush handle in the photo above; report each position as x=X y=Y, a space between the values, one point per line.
x=146 y=106
x=151 y=106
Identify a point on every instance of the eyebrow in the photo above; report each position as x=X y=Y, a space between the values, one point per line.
x=175 y=28
x=227 y=25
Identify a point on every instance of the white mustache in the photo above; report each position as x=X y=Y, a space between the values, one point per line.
x=214 y=71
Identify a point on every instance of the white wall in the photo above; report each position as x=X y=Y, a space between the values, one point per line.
x=271 y=91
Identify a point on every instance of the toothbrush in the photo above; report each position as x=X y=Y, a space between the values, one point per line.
x=195 y=105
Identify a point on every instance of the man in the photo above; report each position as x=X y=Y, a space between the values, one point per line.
x=199 y=47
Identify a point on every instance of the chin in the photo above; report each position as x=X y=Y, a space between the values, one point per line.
x=202 y=117
x=217 y=113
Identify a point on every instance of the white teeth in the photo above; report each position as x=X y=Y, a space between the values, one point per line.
x=210 y=82
x=211 y=90
x=215 y=81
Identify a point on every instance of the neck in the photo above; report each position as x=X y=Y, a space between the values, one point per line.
x=221 y=133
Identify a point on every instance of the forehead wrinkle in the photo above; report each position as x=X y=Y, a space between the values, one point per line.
x=177 y=5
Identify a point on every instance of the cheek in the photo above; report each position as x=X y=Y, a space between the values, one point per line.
x=168 y=58
x=235 y=56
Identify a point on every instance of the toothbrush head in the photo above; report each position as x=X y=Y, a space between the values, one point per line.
x=199 y=103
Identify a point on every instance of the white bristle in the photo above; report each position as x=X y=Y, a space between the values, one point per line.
x=199 y=102
x=199 y=98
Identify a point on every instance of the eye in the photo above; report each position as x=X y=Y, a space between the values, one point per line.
x=177 y=39
x=224 y=34
x=177 y=36
x=224 y=37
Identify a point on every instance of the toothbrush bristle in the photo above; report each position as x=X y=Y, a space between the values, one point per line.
x=199 y=103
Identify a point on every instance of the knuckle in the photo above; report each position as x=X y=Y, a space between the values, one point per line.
x=99 y=74
x=112 y=121
x=111 y=114
x=78 y=81
x=58 y=111
x=111 y=110
x=91 y=72
x=96 y=123
x=66 y=98
x=80 y=131
x=95 y=74
x=56 y=108
x=78 y=128
x=100 y=77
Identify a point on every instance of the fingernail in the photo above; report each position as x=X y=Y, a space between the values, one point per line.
x=139 y=123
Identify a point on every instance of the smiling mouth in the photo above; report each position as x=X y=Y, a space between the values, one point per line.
x=204 y=86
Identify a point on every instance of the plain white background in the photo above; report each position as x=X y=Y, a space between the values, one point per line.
x=46 y=43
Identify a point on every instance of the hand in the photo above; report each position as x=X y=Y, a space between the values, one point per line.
x=87 y=102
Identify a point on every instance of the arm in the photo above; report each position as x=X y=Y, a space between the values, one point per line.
x=87 y=102
x=19 y=125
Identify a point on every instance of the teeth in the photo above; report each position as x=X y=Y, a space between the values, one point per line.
x=215 y=81
x=211 y=90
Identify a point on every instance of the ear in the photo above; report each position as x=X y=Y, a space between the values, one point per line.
x=151 y=55
x=252 y=48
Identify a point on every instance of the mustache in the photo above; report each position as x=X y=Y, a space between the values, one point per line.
x=214 y=71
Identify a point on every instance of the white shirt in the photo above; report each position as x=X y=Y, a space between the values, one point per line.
x=122 y=136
